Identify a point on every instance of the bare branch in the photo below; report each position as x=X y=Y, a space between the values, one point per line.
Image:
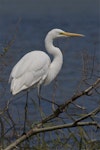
x=47 y=129
x=39 y=127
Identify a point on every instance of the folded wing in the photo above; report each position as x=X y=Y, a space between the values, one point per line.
x=30 y=71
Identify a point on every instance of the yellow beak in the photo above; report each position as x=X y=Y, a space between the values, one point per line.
x=72 y=34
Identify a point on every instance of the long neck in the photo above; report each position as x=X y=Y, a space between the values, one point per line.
x=56 y=64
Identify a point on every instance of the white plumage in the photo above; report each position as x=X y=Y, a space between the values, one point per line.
x=35 y=68
x=29 y=71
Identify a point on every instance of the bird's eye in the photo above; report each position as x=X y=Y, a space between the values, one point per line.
x=61 y=33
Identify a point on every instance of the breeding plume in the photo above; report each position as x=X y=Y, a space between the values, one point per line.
x=35 y=68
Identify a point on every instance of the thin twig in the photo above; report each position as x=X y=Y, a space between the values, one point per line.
x=47 y=129
x=39 y=127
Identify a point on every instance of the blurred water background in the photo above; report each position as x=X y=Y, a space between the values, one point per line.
x=27 y=23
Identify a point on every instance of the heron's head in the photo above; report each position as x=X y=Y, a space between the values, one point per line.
x=55 y=33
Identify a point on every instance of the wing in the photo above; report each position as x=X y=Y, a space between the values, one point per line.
x=31 y=70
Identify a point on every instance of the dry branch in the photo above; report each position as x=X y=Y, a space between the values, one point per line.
x=39 y=127
x=41 y=130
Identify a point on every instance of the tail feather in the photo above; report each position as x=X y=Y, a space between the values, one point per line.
x=17 y=86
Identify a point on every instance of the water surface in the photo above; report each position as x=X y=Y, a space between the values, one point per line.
x=27 y=22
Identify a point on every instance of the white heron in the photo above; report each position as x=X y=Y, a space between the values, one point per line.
x=35 y=68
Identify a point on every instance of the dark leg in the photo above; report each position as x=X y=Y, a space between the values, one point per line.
x=39 y=96
x=25 y=108
x=44 y=99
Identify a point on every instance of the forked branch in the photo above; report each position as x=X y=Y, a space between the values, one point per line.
x=39 y=126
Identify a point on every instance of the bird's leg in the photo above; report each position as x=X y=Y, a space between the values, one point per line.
x=25 y=108
x=39 y=96
x=42 y=98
